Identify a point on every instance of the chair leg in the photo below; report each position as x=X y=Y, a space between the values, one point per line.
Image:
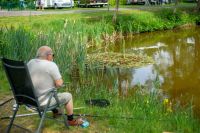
x=65 y=119
x=64 y=116
x=12 y=120
x=43 y=115
x=41 y=122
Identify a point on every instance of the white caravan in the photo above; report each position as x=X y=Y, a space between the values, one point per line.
x=56 y=3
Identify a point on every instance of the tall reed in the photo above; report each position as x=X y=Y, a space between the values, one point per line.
x=68 y=44
x=17 y=43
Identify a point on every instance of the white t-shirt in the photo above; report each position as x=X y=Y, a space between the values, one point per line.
x=43 y=74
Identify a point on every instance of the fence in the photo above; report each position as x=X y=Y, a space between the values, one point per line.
x=21 y=5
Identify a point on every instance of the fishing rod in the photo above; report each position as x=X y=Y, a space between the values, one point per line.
x=84 y=115
x=20 y=115
x=98 y=102
x=88 y=115
x=31 y=114
x=116 y=117
x=103 y=116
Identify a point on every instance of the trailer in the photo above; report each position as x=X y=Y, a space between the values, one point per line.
x=55 y=3
x=92 y=3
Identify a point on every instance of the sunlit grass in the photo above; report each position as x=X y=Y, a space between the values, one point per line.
x=140 y=111
x=133 y=21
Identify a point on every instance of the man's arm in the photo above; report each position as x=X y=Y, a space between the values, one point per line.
x=55 y=73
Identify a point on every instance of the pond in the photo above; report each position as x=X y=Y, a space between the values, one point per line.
x=177 y=59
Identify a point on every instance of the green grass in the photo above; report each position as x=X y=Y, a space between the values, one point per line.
x=137 y=112
x=132 y=21
x=72 y=35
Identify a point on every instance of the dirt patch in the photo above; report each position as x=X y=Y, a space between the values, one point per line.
x=185 y=26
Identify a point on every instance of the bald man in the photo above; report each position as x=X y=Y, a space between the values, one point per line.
x=45 y=75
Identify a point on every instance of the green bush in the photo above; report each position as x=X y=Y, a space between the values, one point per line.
x=139 y=22
x=113 y=2
x=149 y=21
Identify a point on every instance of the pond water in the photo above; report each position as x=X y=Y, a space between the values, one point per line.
x=177 y=59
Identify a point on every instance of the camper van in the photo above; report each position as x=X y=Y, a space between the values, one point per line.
x=56 y=3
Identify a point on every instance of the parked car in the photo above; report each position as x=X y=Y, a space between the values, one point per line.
x=92 y=3
x=136 y=1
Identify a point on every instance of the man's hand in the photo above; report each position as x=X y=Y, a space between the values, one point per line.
x=59 y=83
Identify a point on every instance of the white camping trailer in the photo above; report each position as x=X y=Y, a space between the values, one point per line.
x=56 y=3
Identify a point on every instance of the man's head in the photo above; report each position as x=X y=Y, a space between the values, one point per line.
x=45 y=52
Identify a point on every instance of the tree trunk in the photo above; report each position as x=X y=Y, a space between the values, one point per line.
x=176 y=4
x=116 y=11
x=198 y=6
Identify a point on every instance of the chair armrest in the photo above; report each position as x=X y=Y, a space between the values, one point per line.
x=53 y=90
x=47 y=92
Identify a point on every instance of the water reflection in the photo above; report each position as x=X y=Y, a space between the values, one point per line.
x=177 y=60
x=190 y=40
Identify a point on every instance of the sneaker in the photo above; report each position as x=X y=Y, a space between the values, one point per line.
x=30 y=108
x=76 y=122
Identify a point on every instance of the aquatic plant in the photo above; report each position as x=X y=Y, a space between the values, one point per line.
x=126 y=60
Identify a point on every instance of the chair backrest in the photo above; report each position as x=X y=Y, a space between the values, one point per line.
x=20 y=82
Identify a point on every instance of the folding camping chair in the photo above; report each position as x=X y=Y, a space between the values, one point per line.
x=23 y=91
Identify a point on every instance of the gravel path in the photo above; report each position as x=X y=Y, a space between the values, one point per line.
x=4 y=13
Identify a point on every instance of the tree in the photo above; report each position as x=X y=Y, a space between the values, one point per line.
x=116 y=11
x=198 y=6
x=176 y=4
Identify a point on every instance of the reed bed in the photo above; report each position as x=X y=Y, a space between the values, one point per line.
x=68 y=45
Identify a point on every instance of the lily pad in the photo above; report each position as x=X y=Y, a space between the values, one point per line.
x=112 y=59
